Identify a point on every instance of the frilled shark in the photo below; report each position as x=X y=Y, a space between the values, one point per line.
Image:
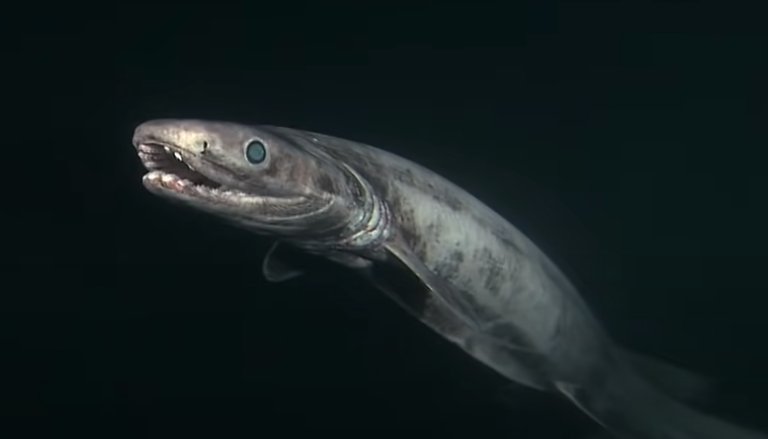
x=475 y=279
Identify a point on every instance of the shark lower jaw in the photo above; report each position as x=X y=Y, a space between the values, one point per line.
x=176 y=186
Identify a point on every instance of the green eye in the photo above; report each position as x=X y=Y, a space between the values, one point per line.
x=255 y=152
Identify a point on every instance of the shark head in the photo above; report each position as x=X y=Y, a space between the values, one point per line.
x=255 y=176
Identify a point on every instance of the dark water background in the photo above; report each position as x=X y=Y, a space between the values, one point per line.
x=628 y=140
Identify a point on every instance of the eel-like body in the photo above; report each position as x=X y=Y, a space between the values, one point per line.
x=477 y=280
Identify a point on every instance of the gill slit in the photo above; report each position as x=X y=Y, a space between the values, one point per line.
x=363 y=233
x=372 y=226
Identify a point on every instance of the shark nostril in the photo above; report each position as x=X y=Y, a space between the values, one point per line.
x=205 y=147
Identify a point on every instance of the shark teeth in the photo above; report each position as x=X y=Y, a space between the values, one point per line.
x=164 y=164
x=180 y=159
x=176 y=155
x=149 y=149
x=169 y=180
x=178 y=184
x=157 y=157
x=163 y=158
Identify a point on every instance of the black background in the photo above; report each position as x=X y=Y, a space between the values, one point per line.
x=626 y=138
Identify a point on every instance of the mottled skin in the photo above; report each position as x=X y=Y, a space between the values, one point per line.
x=478 y=282
x=509 y=282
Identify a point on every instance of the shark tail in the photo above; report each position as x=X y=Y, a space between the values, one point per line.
x=630 y=407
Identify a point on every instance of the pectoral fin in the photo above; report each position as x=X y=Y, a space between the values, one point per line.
x=440 y=295
x=495 y=344
x=275 y=266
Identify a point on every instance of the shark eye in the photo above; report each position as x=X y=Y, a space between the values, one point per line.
x=255 y=152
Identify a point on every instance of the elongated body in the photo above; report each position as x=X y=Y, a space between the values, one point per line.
x=475 y=278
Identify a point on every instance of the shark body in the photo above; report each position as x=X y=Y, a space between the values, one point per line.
x=476 y=279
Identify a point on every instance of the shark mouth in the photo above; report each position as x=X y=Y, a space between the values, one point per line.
x=172 y=173
x=168 y=169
